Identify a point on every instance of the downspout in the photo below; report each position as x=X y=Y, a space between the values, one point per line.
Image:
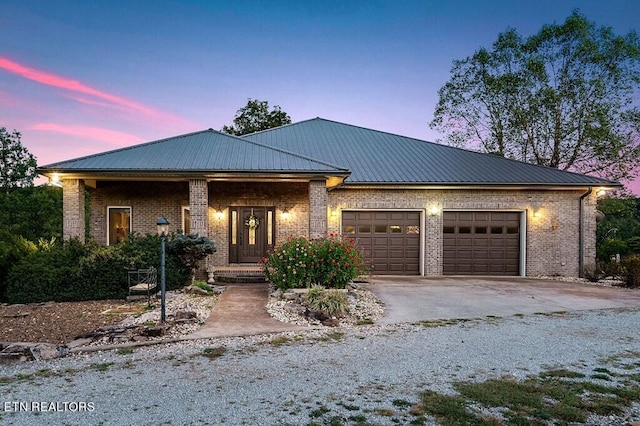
x=581 y=233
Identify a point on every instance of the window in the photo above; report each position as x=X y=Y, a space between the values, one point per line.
x=186 y=220
x=481 y=229
x=234 y=227
x=364 y=229
x=380 y=229
x=270 y=227
x=464 y=230
x=396 y=229
x=496 y=229
x=349 y=229
x=118 y=224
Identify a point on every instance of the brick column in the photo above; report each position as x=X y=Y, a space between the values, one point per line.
x=73 y=209
x=199 y=206
x=318 y=200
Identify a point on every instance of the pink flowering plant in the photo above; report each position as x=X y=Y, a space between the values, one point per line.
x=331 y=262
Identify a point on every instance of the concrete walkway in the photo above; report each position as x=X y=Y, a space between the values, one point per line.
x=241 y=311
x=412 y=299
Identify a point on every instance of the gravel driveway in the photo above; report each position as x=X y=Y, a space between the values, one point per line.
x=259 y=380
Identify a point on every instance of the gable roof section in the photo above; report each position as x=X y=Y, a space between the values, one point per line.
x=376 y=157
x=205 y=151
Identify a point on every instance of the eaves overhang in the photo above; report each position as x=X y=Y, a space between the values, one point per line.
x=482 y=185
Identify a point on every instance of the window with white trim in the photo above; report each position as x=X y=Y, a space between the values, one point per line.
x=186 y=220
x=118 y=224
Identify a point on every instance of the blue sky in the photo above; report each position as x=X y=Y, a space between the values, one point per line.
x=80 y=77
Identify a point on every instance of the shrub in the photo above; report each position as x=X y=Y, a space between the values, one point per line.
x=631 y=271
x=332 y=303
x=191 y=249
x=289 y=264
x=336 y=261
x=72 y=271
x=298 y=263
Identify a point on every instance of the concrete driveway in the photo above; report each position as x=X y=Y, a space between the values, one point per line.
x=411 y=299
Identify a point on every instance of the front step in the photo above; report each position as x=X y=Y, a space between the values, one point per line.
x=239 y=274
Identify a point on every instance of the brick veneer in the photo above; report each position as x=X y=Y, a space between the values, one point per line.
x=284 y=196
x=551 y=238
x=199 y=207
x=73 y=223
x=317 y=208
x=148 y=200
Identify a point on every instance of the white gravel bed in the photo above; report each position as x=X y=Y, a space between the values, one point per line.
x=282 y=379
x=363 y=307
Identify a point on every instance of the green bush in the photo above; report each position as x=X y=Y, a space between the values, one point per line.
x=190 y=249
x=630 y=266
x=72 y=271
x=298 y=263
x=332 y=303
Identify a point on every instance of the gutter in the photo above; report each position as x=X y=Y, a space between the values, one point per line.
x=581 y=233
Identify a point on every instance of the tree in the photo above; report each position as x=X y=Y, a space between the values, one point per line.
x=17 y=164
x=619 y=231
x=255 y=116
x=562 y=98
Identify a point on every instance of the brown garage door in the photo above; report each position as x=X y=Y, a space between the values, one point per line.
x=481 y=243
x=390 y=239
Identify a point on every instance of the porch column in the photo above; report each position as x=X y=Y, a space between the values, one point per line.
x=199 y=206
x=73 y=209
x=318 y=200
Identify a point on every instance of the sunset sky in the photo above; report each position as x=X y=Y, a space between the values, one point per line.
x=81 y=77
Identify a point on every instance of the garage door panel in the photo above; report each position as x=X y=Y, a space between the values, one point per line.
x=486 y=242
x=390 y=239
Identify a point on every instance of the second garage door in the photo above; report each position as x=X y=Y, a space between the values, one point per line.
x=390 y=239
x=481 y=243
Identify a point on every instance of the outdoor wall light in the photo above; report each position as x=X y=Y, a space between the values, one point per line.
x=286 y=215
x=601 y=192
x=219 y=214
x=55 y=180
x=537 y=214
x=334 y=213
x=434 y=210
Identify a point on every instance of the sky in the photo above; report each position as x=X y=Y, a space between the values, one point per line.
x=82 y=77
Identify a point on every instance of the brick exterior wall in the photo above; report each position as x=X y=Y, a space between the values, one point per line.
x=318 y=200
x=148 y=200
x=73 y=220
x=290 y=197
x=199 y=207
x=551 y=238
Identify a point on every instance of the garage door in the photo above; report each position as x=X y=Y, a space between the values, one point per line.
x=390 y=239
x=481 y=243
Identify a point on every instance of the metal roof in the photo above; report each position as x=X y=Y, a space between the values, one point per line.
x=330 y=148
x=205 y=151
x=376 y=157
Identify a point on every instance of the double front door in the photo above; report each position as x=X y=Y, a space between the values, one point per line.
x=252 y=233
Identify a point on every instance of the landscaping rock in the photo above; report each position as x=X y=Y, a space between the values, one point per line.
x=195 y=290
x=153 y=331
x=218 y=289
x=45 y=351
x=185 y=315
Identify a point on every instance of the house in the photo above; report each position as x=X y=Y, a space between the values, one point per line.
x=415 y=207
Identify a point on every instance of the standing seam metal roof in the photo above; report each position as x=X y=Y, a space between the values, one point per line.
x=376 y=157
x=207 y=151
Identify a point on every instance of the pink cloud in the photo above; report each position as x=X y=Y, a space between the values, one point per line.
x=78 y=87
x=95 y=133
